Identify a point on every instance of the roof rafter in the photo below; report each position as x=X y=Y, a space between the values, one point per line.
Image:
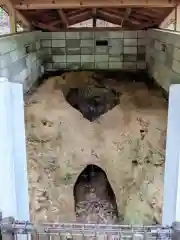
x=63 y=17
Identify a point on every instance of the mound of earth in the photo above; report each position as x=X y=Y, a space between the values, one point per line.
x=127 y=142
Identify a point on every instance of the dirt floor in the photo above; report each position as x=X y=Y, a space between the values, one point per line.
x=127 y=143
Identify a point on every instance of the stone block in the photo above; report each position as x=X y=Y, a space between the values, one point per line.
x=17 y=54
x=58 y=51
x=157 y=45
x=116 y=58
x=161 y=56
x=20 y=77
x=115 y=51
x=46 y=43
x=130 y=42
x=46 y=35
x=73 y=58
x=101 y=50
x=86 y=35
x=175 y=78
x=130 y=34
x=142 y=34
x=73 y=51
x=87 y=50
x=32 y=47
x=87 y=65
x=176 y=66
x=141 y=57
x=72 y=35
x=142 y=41
x=38 y=45
x=129 y=65
x=116 y=65
x=141 y=65
x=5 y=72
x=73 y=43
x=74 y=65
x=141 y=49
x=102 y=35
x=129 y=57
x=47 y=58
x=115 y=42
x=87 y=58
x=176 y=54
x=59 y=58
x=58 y=35
x=58 y=43
x=57 y=66
x=5 y=60
x=87 y=43
x=63 y=65
x=101 y=65
x=130 y=50
x=115 y=34
x=101 y=58
x=7 y=45
x=18 y=66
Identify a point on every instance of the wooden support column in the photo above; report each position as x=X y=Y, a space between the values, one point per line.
x=12 y=21
x=126 y=15
x=177 y=18
x=94 y=11
x=14 y=13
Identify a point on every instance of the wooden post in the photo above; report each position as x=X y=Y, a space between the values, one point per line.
x=177 y=18
x=12 y=21
x=94 y=12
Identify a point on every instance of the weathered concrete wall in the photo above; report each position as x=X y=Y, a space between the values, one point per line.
x=20 y=58
x=163 y=57
x=79 y=50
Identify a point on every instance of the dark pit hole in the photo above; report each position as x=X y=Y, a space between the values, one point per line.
x=44 y=122
x=142 y=131
x=135 y=162
x=93 y=102
x=92 y=191
x=101 y=43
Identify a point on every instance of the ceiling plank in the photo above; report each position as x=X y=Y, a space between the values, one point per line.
x=59 y=4
x=19 y=16
x=63 y=17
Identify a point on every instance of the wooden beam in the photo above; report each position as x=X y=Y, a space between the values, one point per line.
x=63 y=17
x=19 y=16
x=118 y=17
x=82 y=15
x=126 y=15
x=45 y=26
x=94 y=11
x=59 y=4
x=12 y=21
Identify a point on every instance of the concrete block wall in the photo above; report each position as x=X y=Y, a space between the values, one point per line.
x=163 y=57
x=80 y=50
x=20 y=58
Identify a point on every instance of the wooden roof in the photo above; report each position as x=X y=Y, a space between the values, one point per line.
x=54 y=15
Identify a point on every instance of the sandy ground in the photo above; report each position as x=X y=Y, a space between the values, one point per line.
x=128 y=143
